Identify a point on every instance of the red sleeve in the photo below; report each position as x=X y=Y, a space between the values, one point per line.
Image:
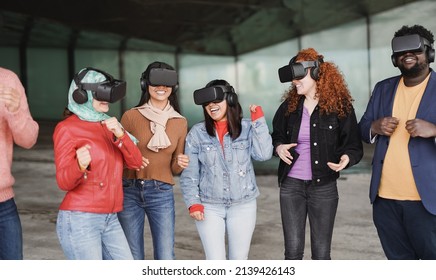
x=257 y=114
x=131 y=153
x=68 y=173
x=196 y=207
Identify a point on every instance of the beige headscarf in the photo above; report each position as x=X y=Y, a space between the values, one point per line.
x=158 y=121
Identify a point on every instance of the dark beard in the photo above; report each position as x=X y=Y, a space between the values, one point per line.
x=413 y=72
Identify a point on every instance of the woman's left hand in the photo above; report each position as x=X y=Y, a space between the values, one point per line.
x=253 y=108
x=341 y=165
x=145 y=163
x=114 y=126
x=197 y=215
x=182 y=160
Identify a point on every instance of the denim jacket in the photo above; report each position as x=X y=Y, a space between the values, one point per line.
x=330 y=138
x=224 y=174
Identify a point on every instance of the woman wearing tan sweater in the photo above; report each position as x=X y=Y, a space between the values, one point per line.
x=161 y=130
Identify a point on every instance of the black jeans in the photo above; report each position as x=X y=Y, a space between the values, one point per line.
x=300 y=199
x=407 y=231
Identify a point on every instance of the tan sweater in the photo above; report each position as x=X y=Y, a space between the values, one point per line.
x=163 y=164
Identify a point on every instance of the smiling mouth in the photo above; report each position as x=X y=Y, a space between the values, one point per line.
x=214 y=110
x=409 y=58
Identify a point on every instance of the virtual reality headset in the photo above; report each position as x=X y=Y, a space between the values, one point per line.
x=108 y=91
x=162 y=77
x=211 y=94
x=295 y=70
x=409 y=43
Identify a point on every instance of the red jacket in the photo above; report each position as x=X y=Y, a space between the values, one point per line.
x=99 y=188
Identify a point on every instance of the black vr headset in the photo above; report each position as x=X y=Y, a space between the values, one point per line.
x=215 y=93
x=298 y=70
x=110 y=90
x=411 y=43
x=160 y=77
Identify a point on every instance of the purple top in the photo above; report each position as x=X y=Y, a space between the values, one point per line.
x=302 y=168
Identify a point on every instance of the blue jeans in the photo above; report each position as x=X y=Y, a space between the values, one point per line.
x=92 y=236
x=300 y=199
x=156 y=200
x=407 y=231
x=11 y=234
x=237 y=220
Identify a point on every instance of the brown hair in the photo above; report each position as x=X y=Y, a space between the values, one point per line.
x=331 y=89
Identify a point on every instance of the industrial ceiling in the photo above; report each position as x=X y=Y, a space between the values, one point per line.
x=217 y=27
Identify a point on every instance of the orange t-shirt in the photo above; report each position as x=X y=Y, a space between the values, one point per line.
x=397 y=180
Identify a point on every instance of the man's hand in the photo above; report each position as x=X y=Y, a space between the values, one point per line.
x=420 y=128
x=384 y=126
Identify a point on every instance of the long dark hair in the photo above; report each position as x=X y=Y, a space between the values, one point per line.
x=145 y=96
x=234 y=115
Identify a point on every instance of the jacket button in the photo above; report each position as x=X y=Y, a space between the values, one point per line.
x=101 y=184
x=318 y=180
x=315 y=144
x=316 y=162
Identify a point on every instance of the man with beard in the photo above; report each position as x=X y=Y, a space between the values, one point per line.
x=401 y=120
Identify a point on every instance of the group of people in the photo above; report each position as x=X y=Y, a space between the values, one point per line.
x=116 y=173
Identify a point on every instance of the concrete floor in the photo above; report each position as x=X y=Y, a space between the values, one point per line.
x=38 y=198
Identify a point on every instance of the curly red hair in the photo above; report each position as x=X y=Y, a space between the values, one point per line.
x=332 y=90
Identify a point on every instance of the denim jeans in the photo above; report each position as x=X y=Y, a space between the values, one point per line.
x=156 y=200
x=299 y=199
x=11 y=234
x=407 y=231
x=237 y=220
x=92 y=236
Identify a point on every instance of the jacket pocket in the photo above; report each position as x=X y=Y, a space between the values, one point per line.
x=241 y=150
x=329 y=131
x=208 y=154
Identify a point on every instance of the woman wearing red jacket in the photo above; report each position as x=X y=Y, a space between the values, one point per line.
x=91 y=150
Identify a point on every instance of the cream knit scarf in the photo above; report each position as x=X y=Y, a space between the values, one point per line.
x=158 y=121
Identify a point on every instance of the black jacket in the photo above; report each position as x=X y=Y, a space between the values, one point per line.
x=330 y=138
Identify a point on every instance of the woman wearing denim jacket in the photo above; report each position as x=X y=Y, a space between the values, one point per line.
x=315 y=134
x=219 y=185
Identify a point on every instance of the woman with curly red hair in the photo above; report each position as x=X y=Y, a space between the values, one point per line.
x=315 y=135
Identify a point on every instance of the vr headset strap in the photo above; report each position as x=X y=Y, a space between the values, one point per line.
x=78 y=78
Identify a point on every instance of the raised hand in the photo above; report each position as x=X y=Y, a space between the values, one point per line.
x=83 y=156
x=114 y=126
x=10 y=97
